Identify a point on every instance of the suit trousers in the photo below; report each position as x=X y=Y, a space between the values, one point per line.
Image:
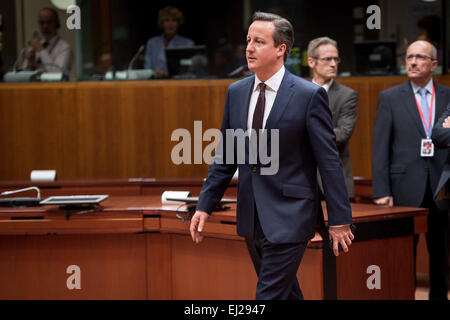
x=276 y=266
x=437 y=238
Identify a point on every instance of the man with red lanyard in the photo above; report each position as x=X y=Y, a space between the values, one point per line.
x=405 y=165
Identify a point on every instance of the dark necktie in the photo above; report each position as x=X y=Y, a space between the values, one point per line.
x=258 y=115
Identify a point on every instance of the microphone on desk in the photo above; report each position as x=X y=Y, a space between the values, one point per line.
x=21 y=201
x=130 y=66
x=50 y=75
x=18 y=58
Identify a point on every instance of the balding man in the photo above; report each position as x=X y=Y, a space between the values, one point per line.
x=50 y=53
x=405 y=165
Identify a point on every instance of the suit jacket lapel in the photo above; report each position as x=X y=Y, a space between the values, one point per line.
x=407 y=98
x=246 y=92
x=281 y=101
x=441 y=105
x=332 y=95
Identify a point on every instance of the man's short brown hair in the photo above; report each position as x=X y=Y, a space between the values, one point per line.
x=283 y=33
x=316 y=43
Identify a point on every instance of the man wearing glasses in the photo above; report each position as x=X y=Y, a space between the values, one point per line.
x=405 y=165
x=323 y=59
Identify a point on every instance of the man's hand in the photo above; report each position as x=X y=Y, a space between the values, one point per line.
x=383 y=201
x=446 y=123
x=36 y=44
x=197 y=223
x=31 y=57
x=342 y=235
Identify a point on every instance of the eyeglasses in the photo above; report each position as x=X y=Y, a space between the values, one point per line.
x=419 y=57
x=328 y=60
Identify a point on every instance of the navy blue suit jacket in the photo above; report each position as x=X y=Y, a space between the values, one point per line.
x=287 y=201
x=398 y=170
x=441 y=138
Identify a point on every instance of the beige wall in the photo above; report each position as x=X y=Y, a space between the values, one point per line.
x=27 y=22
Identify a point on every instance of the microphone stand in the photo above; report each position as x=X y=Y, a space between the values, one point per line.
x=141 y=48
x=18 y=58
x=23 y=201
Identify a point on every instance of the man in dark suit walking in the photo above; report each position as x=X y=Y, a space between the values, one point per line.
x=323 y=59
x=277 y=212
x=405 y=165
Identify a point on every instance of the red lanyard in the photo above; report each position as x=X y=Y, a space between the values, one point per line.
x=427 y=125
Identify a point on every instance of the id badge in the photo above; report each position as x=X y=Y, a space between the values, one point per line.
x=427 y=148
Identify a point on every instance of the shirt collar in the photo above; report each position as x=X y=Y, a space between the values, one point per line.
x=429 y=86
x=274 y=82
x=327 y=85
x=51 y=42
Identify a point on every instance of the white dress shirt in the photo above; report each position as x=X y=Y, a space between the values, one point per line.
x=57 y=57
x=326 y=86
x=272 y=86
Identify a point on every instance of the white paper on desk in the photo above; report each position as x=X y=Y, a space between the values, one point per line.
x=181 y=195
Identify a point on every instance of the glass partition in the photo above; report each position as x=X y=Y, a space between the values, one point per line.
x=143 y=40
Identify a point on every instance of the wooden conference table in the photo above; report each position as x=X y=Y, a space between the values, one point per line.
x=135 y=250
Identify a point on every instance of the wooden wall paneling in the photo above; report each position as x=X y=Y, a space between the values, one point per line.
x=360 y=141
x=159 y=266
x=227 y=262
x=444 y=80
x=36 y=266
x=310 y=274
x=30 y=127
x=95 y=130
x=395 y=272
x=194 y=98
x=117 y=122
x=57 y=223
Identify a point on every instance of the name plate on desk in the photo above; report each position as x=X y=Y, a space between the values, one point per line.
x=52 y=76
x=20 y=76
x=134 y=74
x=43 y=175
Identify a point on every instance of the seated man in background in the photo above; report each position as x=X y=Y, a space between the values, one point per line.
x=51 y=53
x=169 y=20
x=323 y=59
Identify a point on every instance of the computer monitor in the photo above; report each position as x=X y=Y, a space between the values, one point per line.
x=375 y=58
x=187 y=61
